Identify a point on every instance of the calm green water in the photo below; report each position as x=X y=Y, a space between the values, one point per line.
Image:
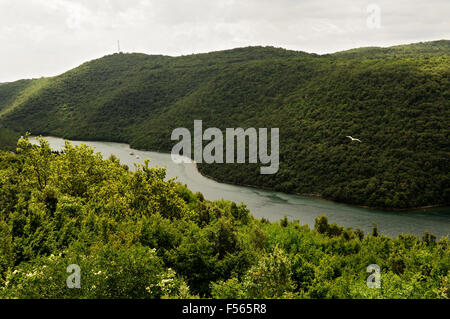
x=274 y=205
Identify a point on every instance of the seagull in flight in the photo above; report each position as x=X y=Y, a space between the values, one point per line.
x=353 y=139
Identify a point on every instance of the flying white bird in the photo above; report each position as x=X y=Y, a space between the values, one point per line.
x=353 y=139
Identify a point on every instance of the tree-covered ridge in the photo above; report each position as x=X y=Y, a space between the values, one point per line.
x=441 y=47
x=396 y=100
x=137 y=235
x=10 y=91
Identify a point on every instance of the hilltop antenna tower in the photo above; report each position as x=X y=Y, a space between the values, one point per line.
x=118 y=46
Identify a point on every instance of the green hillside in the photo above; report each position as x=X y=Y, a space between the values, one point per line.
x=441 y=47
x=396 y=100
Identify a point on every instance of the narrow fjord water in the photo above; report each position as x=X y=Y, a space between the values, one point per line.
x=275 y=205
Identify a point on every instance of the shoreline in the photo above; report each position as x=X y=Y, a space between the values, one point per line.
x=309 y=195
x=318 y=196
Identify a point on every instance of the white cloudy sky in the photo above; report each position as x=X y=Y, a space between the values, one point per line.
x=47 y=37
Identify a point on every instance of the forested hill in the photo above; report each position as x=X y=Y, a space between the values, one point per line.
x=396 y=100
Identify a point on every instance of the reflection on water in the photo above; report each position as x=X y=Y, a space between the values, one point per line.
x=274 y=205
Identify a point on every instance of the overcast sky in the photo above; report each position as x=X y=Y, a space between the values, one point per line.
x=47 y=37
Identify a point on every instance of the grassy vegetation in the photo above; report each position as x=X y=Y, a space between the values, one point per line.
x=135 y=235
x=396 y=100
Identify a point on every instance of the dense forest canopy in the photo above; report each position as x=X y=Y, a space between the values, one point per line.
x=396 y=100
x=8 y=139
x=136 y=235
